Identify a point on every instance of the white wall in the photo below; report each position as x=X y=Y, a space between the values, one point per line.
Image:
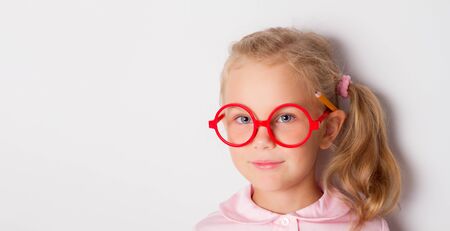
x=104 y=105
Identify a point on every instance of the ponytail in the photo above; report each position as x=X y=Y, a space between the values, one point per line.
x=363 y=167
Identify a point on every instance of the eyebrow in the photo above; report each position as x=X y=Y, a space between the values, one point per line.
x=239 y=110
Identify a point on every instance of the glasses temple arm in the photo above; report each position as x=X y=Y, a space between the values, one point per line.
x=213 y=123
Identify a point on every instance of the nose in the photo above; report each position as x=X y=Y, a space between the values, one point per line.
x=262 y=139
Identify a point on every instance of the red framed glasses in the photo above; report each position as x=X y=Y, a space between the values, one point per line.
x=288 y=125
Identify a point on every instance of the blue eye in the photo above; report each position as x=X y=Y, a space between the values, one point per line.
x=286 y=118
x=243 y=119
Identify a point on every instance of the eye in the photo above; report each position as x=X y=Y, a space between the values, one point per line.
x=243 y=119
x=286 y=118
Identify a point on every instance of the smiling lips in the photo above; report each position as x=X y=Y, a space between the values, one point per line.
x=266 y=164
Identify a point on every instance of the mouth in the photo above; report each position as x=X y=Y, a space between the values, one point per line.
x=266 y=164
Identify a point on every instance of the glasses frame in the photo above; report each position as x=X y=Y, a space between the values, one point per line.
x=313 y=124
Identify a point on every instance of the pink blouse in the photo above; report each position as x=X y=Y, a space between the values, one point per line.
x=239 y=213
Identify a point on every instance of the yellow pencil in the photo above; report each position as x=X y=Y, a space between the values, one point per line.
x=325 y=101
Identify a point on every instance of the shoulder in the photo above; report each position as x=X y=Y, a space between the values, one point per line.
x=213 y=221
x=377 y=224
x=229 y=215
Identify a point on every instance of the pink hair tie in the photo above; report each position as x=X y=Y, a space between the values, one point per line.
x=342 y=87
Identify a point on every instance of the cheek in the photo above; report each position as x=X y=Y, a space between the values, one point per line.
x=301 y=161
x=239 y=159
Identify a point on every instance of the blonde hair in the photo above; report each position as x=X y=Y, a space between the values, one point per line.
x=363 y=168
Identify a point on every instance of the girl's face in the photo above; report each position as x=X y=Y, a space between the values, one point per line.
x=262 y=88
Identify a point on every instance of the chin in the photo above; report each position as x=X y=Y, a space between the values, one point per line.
x=268 y=185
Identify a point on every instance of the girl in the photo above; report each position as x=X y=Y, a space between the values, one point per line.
x=283 y=99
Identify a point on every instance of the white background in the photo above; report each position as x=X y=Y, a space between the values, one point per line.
x=104 y=105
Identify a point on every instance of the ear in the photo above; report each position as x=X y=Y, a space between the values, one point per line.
x=333 y=125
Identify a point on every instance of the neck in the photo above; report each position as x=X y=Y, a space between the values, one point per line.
x=290 y=199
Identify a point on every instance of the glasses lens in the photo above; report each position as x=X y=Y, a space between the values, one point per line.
x=290 y=125
x=235 y=125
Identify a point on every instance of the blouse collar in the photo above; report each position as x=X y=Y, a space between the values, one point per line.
x=242 y=209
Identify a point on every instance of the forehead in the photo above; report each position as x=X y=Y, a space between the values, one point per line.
x=262 y=87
